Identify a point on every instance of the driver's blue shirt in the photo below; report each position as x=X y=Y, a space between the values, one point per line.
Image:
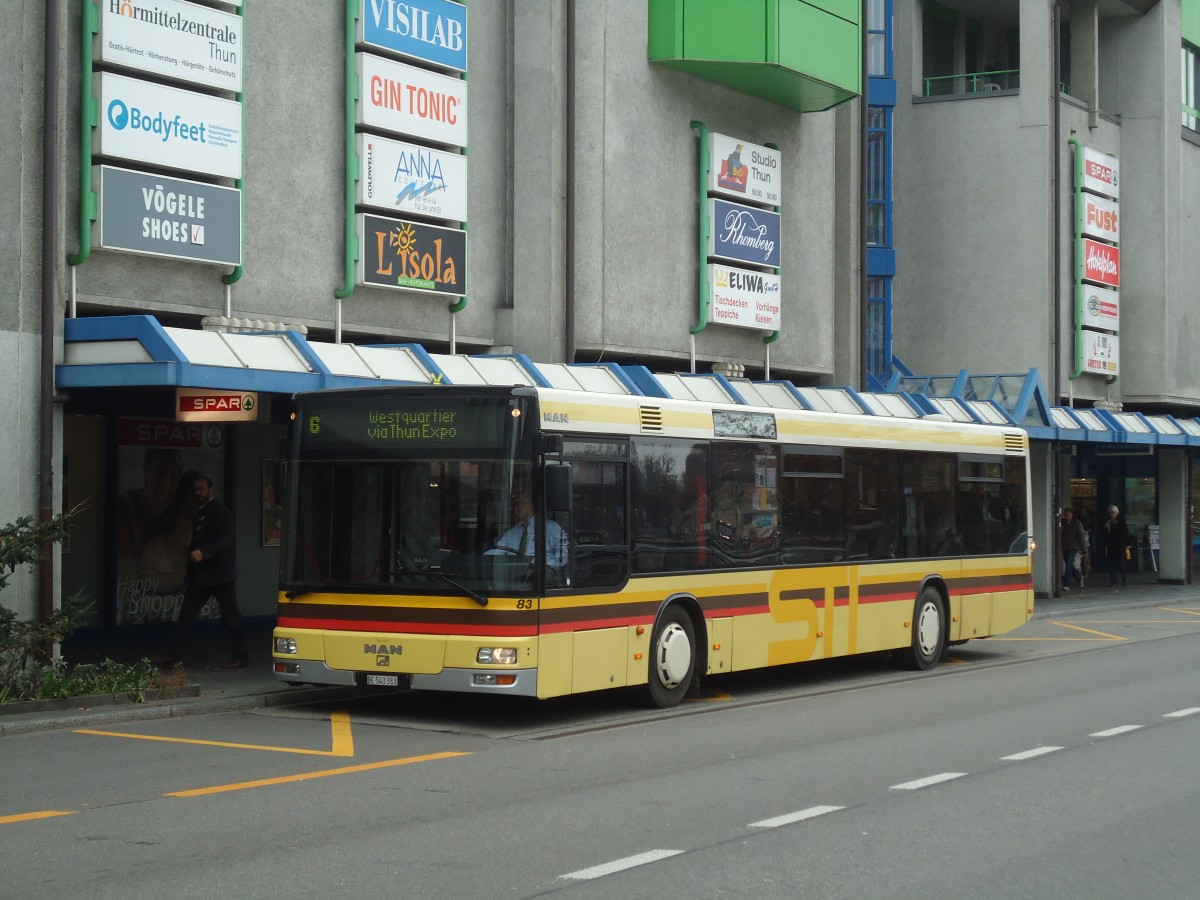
x=522 y=539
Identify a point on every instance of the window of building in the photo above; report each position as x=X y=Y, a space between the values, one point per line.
x=878 y=176
x=879 y=48
x=1191 y=87
x=879 y=326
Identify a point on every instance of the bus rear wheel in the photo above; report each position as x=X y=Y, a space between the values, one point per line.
x=672 y=658
x=928 y=631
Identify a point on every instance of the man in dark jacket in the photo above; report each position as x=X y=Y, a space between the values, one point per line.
x=210 y=573
x=1114 y=539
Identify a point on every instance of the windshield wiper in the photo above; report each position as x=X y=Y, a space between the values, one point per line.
x=434 y=573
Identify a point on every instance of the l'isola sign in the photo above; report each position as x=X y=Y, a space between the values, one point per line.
x=412 y=256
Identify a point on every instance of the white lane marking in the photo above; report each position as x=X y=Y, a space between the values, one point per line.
x=619 y=865
x=926 y=782
x=1030 y=754
x=1180 y=713
x=811 y=813
x=1120 y=729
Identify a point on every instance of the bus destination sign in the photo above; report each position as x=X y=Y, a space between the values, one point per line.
x=396 y=424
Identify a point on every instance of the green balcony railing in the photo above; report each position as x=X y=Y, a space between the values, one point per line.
x=1191 y=117
x=973 y=83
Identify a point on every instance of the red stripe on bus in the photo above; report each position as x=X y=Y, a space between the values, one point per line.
x=408 y=627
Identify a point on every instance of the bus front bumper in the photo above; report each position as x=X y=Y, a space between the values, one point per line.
x=519 y=682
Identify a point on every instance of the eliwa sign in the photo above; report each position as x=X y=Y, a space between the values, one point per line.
x=172 y=39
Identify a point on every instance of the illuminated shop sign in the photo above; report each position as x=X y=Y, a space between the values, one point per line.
x=433 y=31
x=744 y=171
x=1101 y=173
x=408 y=178
x=1101 y=263
x=169 y=127
x=160 y=216
x=405 y=100
x=172 y=39
x=202 y=405
x=744 y=298
x=743 y=233
x=411 y=256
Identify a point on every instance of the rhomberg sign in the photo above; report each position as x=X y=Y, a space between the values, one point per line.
x=411 y=256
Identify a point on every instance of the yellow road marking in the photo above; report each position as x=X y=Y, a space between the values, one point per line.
x=29 y=817
x=711 y=697
x=1190 y=612
x=343 y=740
x=307 y=776
x=1111 y=637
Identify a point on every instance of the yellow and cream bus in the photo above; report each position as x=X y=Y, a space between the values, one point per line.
x=679 y=539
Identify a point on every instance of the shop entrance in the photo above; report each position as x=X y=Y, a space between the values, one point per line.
x=1126 y=479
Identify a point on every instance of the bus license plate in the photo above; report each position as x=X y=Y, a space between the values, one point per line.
x=383 y=681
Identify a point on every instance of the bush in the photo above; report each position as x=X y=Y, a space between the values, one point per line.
x=28 y=671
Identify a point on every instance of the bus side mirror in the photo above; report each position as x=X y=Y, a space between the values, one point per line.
x=558 y=488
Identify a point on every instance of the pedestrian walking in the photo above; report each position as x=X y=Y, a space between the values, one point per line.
x=1115 y=542
x=210 y=573
x=1074 y=546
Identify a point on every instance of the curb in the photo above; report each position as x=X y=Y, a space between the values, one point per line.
x=174 y=709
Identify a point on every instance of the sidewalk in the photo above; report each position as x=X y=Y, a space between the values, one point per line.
x=209 y=688
x=205 y=688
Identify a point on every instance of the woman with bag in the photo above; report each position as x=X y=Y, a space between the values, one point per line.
x=1114 y=540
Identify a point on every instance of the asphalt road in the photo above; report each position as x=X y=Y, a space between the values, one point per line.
x=1061 y=761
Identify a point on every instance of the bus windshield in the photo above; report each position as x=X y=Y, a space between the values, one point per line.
x=408 y=493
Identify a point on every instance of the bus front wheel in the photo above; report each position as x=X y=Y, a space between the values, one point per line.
x=928 y=631
x=672 y=658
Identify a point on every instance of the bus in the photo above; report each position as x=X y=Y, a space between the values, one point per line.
x=680 y=539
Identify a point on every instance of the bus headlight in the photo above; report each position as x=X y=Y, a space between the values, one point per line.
x=285 y=645
x=497 y=656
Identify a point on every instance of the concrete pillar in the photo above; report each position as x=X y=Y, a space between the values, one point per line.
x=1043 y=523
x=1173 y=516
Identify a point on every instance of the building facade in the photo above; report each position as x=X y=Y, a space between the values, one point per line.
x=1009 y=257
x=543 y=177
x=472 y=178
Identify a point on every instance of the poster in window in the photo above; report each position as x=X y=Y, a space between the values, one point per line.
x=272 y=512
